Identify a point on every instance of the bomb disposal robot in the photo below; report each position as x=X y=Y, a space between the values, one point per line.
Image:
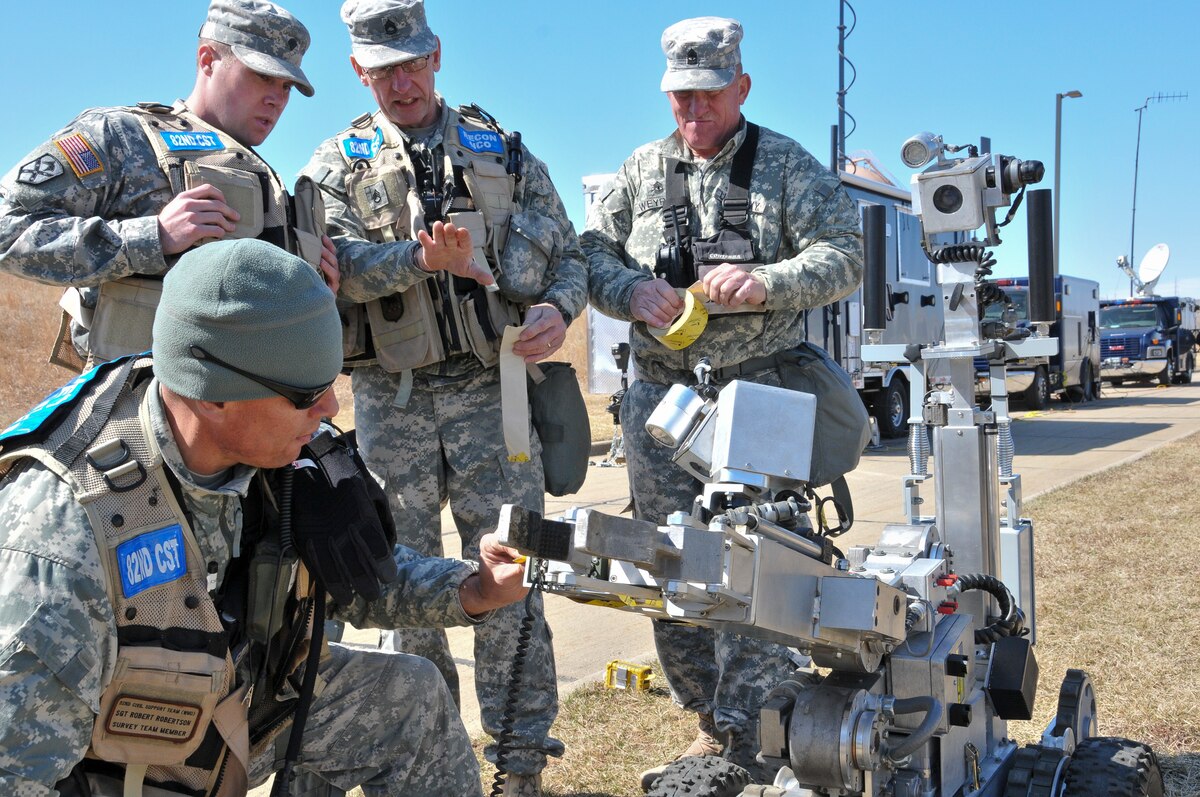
x=924 y=642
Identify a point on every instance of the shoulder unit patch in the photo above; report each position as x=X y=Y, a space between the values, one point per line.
x=39 y=170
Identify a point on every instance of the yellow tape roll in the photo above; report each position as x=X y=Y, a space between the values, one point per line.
x=684 y=330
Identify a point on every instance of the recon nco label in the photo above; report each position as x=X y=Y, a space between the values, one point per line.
x=481 y=140
x=195 y=140
x=153 y=719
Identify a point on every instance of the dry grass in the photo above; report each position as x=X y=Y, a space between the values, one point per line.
x=30 y=312
x=1117 y=597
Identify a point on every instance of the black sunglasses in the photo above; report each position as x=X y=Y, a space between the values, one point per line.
x=301 y=397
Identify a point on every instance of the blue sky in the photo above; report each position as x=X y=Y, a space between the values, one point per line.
x=580 y=81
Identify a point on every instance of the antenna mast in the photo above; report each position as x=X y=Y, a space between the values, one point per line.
x=843 y=62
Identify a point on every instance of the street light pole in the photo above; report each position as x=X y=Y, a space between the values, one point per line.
x=1058 y=98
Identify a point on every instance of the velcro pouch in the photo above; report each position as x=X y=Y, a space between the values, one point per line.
x=310 y=220
x=123 y=320
x=158 y=706
x=242 y=191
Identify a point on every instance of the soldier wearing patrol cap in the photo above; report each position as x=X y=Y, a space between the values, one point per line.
x=765 y=232
x=448 y=231
x=108 y=204
x=172 y=530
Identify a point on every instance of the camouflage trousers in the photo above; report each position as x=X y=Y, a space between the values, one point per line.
x=447 y=444
x=383 y=721
x=710 y=672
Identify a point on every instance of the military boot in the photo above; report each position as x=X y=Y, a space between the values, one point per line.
x=705 y=743
x=522 y=785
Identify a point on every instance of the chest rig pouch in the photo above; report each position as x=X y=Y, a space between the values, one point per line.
x=190 y=154
x=171 y=713
x=682 y=259
x=398 y=188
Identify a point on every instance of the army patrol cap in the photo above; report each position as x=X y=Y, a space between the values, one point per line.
x=263 y=36
x=702 y=54
x=384 y=32
x=254 y=306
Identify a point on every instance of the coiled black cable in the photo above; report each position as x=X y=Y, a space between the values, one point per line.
x=986 y=293
x=506 y=738
x=969 y=252
x=1011 y=621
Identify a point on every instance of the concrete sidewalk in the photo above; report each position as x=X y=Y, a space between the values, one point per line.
x=1054 y=448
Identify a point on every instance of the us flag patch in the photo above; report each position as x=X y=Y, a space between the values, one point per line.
x=80 y=155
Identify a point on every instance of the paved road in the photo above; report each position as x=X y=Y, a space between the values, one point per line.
x=1054 y=447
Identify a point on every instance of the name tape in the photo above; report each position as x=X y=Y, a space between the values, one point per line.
x=150 y=559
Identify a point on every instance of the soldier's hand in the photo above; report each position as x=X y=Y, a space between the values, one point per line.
x=731 y=286
x=544 y=332
x=193 y=215
x=655 y=302
x=499 y=582
x=329 y=265
x=450 y=249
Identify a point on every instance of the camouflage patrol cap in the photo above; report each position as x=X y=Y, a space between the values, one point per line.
x=263 y=36
x=384 y=32
x=702 y=54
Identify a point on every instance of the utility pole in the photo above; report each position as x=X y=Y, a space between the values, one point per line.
x=1159 y=97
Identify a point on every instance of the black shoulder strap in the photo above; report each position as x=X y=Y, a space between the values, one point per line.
x=676 y=206
x=735 y=210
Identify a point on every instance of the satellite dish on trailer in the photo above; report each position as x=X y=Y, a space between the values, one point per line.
x=1152 y=266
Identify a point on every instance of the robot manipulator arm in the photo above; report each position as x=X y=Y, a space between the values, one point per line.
x=753 y=577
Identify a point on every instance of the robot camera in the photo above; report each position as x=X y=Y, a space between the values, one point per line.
x=957 y=195
x=921 y=149
x=1016 y=173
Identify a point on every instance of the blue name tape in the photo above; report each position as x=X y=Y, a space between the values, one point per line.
x=366 y=148
x=191 y=141
x=481 y=140
x=150 y=559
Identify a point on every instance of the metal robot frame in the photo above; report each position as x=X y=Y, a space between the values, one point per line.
x=925 y=640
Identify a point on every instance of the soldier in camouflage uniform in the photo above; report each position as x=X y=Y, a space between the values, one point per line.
x=210 y=429
x=806 y=253
x=427 y=395
x=112 y=196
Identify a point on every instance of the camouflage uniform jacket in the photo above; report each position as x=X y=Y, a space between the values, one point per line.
x=58 y=638
x=83 y=231
x=371 y=271
x=804 y=227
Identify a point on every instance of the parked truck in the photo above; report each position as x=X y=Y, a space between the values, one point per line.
x=1073 y=373
x=1148 y=338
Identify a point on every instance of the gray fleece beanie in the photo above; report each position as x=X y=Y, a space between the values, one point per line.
x=253 y=305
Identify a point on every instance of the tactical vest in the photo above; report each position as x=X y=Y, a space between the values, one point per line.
x=683 y=258
x=478 y=165
x=172 y=714
x=192 y=153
